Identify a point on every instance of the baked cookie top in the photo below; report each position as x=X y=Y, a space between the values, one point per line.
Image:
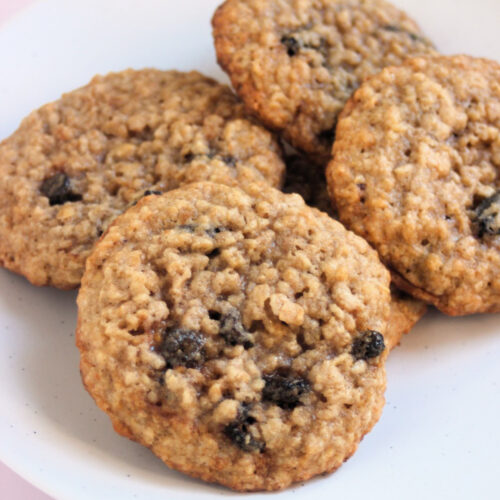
x=415 y=171
x=308 y=180
x=236 y=335
x=295 y=63
x=75 y=164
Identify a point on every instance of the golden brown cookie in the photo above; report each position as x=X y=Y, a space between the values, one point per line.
x=295 y=63
x=237 y=335
x=415 y=171
x=309 y=181
x=75 y=164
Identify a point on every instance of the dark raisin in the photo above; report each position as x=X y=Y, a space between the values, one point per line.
x=189 y=157
x=291 y=44
x=58 y=189
x=487 y=216
x=369 y=344
x=233 y=331
x=238 y=431
x=182 y=347
x=284 y=390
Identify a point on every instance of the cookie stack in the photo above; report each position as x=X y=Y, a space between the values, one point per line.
x=235 y=330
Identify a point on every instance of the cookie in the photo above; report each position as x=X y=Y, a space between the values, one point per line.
x=75 y=164
x=239 y=336
x=415 y=171
x=309 y=181
x=296 y=63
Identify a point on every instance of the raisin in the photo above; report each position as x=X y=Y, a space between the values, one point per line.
x=58 y=189
x=284 y=390
x=369 y=344
x=238 y=432
x=487 y=216
x=233 y=331
x=182 y=347
x=291 y=44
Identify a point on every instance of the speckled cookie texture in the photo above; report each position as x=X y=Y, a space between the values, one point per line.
x=236 y=335
x=75 y=164
x=308 y=180
x=415 y=171
x=295 y=63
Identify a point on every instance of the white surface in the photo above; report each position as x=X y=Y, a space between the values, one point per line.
x=439 y=435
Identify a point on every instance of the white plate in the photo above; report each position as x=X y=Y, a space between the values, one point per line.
x=439 y=435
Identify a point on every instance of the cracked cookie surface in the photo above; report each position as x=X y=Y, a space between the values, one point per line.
x=75 y=164
x=223 y=330
x=415 y=171
x=296 y=63
x=309 y=181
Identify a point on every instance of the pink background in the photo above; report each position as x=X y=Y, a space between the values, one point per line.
x=12 y=486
